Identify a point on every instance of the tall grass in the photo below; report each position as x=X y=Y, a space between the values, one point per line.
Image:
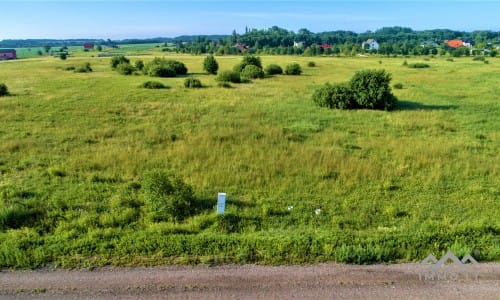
x=391 y=186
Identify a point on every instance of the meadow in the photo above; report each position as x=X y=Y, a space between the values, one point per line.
x=305 y=184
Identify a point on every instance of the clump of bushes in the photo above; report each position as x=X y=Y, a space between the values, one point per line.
x=226 y=85
x=273 y=69
x=311 y=64
x=153 y=85
x=160 y=67
x=228 y=76
x=252 y=72
x=85 y=68
x=166 y=196
x=210 y=65
x=450 y=59
x=478 y=58
x=293 y=69
x=139 y=65
x=191 y=82
x=125 y=68
x=248 y=60
x=4 y=91
x=367 y=89
x=419 y=65
x=116 y=60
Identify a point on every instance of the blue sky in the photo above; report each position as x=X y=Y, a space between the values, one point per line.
x=117 y=19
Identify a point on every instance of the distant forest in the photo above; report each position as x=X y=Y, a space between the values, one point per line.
x=276 y=40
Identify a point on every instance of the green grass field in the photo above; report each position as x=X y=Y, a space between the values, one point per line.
x=391 y=186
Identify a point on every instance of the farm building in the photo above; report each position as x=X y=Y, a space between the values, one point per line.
x=88 y=46
x=370 y=44
x=454 y=43
x=7 y=54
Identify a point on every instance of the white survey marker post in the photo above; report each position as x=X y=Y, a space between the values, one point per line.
x=221 y=203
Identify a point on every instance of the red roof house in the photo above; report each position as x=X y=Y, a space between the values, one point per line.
x=7 y=54
x=454 y=43
x=88 y=46
x=325 y=46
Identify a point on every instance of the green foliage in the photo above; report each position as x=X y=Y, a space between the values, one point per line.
x=63 y=55
x=166 y=196
x=210 y=64
x=125 y=68
x=333 y=96
x=478 y=58
x=248 y=60
x=139 y=65
x=160 y=67
x=85 y=68
x=153 y=85
x=228 y=76
x=116 y=60
x=252 y=72
x=311 y=64
x=398 y=86
x=224 y=84
x=191 y=82
x=372 y=90
x=273 y=69
x=4 y=91
x=418 y=65
x=293 y=69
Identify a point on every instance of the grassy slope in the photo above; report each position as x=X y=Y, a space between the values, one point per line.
x=391 y=186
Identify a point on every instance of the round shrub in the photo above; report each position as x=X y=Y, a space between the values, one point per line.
x=228 y=76
x=4 y=91
x=419 y=65
x=273 y=69
x=311 y=64
x=192 y=83
x=160 y=67
x=179 y=67
x=335 y=96
x=166 y=196
x=371 y=89
x=139 y=65
x=116 y=60
x=248 y=60
x=125 y=68
x=252 y=72
x=210 y=65
x=398 y=85
x=293 y=69
x=153 y=85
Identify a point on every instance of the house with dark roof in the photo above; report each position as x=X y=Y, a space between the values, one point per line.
x=7 y=54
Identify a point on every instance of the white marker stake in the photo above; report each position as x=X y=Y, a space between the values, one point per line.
x=221 y=203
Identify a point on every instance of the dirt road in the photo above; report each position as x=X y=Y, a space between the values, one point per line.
x=321 y=281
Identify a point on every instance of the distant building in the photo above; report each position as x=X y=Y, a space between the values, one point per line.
x=325 y=46
x=299 y=45
x=242 y=47
x=454 y=43
x=88 y=46
x=370 y=44
x=6 y=54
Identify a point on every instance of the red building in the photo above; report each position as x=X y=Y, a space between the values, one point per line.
x=455 y=43
x=7 y=54
x=88 y=46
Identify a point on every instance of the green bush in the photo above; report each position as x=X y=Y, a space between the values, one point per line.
x=248 y=60
x=192 y=83
x=293 y=69
x=139 y=65
x=85 y=68
x=371 y=89
x=226 y=85
x=4 y=91
x=252 y=72
x=419 y=65
x=478 y=58
x=116 y=60
x=63 y=55
x=311 y=64
x=210 y=65
x=125 y=68
x=273 y=69
x=398 y=85
x=228 y=76
x=153 y=85
x=335 y=96
x=166 y=196
x=160 y=67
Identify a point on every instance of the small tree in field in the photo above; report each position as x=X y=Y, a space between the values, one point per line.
x=372 y=90
x=293 y=69
x=116 y=60
x=3 y=90
x=210 y=65
x=248 y=60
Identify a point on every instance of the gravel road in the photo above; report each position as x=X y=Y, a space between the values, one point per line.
x=319 y=281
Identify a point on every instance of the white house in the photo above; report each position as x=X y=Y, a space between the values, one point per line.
x=298 y=44
x=370 y=44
